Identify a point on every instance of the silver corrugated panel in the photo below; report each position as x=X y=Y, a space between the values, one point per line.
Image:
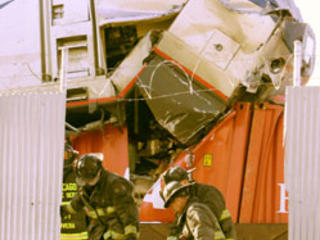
x=303 y=162
x=31 y=159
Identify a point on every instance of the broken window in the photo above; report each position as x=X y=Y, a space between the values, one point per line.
x=151 y=147
x=118 y=43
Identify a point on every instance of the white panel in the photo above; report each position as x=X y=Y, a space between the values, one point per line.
x=31 y=159
x=20 y=52
x=199 y=18
x=302 y=161
x=72 y=14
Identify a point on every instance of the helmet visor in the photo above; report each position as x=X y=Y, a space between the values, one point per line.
x=88 y=181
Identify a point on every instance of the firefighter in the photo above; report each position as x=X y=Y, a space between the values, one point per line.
x=208 y=195
x=107 y=199
x=73 y=226
x=195 y=220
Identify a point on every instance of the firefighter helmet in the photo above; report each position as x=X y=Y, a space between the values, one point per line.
x=174 y=189
x=88 y=167
x=176 y=173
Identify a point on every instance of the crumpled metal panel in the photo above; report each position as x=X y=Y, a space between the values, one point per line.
x=264 y=6
x=214 y=29
x=201 y=64
x=121 y=81
x=279 y=4
x=115 y=11
x=179 y=102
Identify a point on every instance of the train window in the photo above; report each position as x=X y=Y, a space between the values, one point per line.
x=118 y=43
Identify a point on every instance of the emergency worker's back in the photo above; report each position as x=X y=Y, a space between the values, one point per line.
x=214 y=199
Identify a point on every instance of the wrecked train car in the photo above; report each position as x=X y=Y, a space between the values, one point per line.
x=229 y=52
x=195 y=83
x=196 y=94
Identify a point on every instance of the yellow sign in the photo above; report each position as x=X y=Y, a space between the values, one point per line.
x=207 y=160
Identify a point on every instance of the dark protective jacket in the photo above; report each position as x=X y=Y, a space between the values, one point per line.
x=73 y=226
x=110 y=207
x=214 y=200
x=197 y=222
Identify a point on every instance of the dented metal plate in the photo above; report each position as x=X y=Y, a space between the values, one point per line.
x=220 y=49
x=178 y=101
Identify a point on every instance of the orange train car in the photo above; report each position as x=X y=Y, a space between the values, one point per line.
x=243 y=156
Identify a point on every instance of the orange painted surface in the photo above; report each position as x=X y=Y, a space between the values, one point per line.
x=219 y=161
x=150 y=214
x=242 y=156
x=226 y=144
x=112 y=142
x=265 y=168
